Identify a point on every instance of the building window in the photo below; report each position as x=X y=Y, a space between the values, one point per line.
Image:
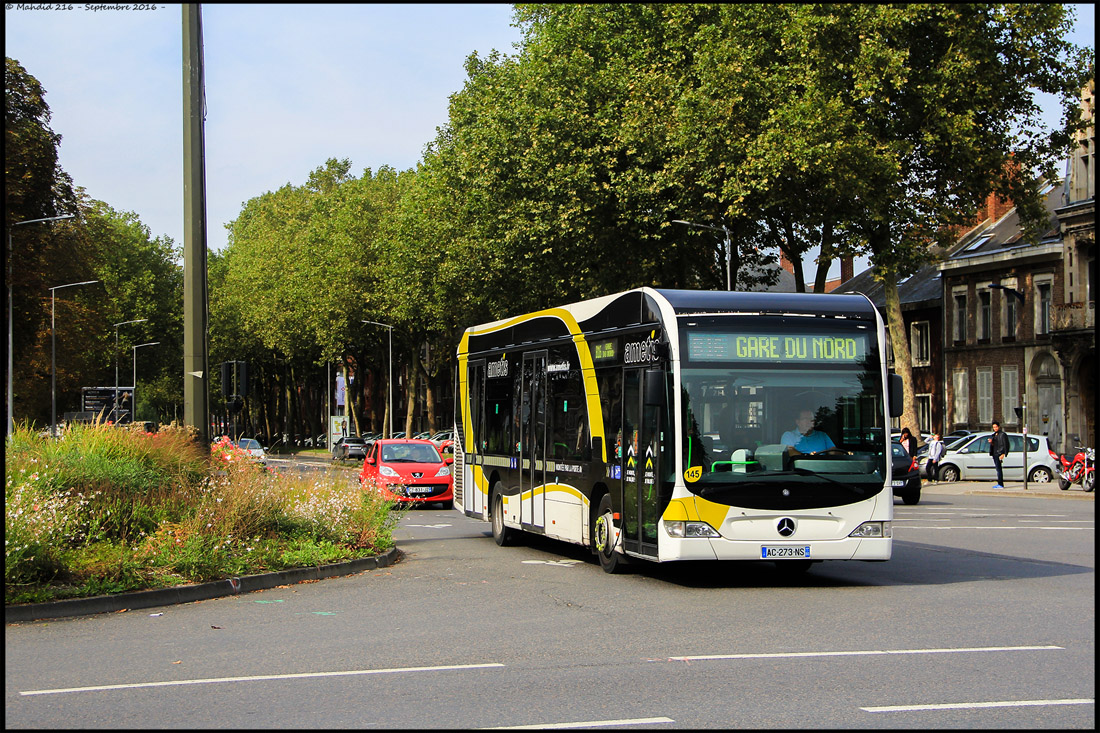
x=985 y=395
x=1010 y=394
x=920 y=341
x=960 y=318
x=924 y=413
x=961 y=411
x=985 y=327
x=1042 y=325
x=1008 y=328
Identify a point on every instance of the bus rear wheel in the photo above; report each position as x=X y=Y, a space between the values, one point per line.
x=502 y=535
x=603 y=538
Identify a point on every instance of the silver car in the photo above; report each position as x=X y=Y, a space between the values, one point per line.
x=253 y=448
x=970 y=460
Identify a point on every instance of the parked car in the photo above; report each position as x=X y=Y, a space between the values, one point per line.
x=408 y=470
x=960 y=433
x=349 y=447
x=948 y=443
x=442 y=435
x=906 y=474
x=423 y=435
x=252 y=446
x=969 y=460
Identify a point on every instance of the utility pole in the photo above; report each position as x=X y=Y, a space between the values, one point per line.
x=196 y=375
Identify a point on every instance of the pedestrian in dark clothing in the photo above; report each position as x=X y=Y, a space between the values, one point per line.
x=998 y=448
x=908 y=442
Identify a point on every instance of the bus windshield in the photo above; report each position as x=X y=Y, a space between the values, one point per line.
x=781 y=412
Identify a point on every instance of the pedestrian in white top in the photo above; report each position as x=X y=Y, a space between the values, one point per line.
x=935 y=453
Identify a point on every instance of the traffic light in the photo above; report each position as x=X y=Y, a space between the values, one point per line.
x=227 y=379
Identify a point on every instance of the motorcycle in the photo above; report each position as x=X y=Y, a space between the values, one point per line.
x=1081 y=470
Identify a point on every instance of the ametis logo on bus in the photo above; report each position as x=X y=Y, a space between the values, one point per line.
x=641 y=352
x=498 y=368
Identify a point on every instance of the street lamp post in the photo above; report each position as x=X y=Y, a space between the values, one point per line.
x=53 y=354
x=389 y=384
x=11 y=362
x=133 y=399
x=728 y=243
x=114 y=410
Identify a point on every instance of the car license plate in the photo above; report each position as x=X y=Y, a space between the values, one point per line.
x=899 y=484
x=420 y=489
x=785 y=552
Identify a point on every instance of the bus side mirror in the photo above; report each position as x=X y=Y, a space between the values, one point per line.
x=897 y=396
x=655 y=387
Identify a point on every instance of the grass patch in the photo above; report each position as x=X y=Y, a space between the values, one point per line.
x=107 y=510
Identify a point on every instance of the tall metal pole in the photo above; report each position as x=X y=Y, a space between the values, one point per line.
x=133 y=399
x=114 y=410
x=53 y=356
x=389 y=424
x=11 y=360
x=196 y=411
x=729 y=244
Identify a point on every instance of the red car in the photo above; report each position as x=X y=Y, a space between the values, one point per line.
x=408 y=470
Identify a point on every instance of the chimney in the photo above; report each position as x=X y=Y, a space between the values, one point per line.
x=847 y=269
x=785 y=263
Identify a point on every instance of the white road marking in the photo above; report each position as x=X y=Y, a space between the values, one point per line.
x=972 y=705
x=585 y=724
x=1064 y=529
x=255 y=678
x=428 y=526
x=555 y=563
x=867 y=652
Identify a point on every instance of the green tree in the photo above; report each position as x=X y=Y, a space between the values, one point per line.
x=937 y=109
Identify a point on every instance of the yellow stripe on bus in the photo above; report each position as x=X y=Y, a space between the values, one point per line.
x=584 y=353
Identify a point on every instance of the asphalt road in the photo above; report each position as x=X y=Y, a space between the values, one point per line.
x=984 y=618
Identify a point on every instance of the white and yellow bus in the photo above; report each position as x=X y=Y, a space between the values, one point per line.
x=665 y=425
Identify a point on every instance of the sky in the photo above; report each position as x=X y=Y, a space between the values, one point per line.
x=287 y=87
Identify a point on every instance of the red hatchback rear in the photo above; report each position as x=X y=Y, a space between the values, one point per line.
x=408 y=470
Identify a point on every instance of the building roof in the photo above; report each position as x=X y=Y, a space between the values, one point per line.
x=1001 y=238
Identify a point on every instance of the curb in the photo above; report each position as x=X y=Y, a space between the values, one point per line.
x=191 y=593
x=1038 y=494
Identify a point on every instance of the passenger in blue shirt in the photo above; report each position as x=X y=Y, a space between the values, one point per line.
x=805 y=439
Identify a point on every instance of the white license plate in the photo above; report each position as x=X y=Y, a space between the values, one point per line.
x=899 y=484
x=420 y=489
x=785 y=552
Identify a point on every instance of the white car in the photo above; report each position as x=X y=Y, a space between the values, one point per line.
x=970 y=460
x=252 y=446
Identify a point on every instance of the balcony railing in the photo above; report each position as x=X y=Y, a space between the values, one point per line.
x=1073 y=317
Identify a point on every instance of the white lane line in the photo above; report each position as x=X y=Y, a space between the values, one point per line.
x=867 y=652
x=971 y=705
x=1061 y=529
x=255 y=678
x=585 y=724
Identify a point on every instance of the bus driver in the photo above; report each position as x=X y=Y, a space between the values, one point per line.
x=805 y=439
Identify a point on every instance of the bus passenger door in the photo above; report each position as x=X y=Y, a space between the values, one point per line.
x=533 y=442
x=475 y=497
x=641 y=464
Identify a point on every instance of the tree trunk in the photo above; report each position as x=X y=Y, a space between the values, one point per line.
x=410 y=397
x=903 y=364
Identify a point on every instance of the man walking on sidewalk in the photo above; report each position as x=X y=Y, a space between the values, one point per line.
x=998 y=449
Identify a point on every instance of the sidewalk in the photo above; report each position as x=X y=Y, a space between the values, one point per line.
x=1012 y=488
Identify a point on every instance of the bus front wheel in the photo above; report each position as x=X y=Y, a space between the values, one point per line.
x=502 y=535
x=603 y=538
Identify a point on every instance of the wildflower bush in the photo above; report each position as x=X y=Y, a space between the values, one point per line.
x=104 y=510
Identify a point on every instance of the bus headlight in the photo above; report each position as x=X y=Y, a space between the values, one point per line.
x=872 y=529
x=683 y=529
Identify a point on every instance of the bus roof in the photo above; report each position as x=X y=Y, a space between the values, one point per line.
x=642 y=306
